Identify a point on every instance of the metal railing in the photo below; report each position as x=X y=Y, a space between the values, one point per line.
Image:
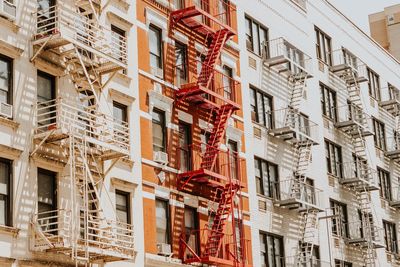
x=295 y=60
x=222 y=86
x=63 y=20
x=393 y=143
x=299 y=191
x=54 y=229
x=220 y=10
x=227 y=164
x=61 y=114
x=358 y=231
x=304 y=128
x=293 y=261
x=360 y=171
x=343 y=59
x=192 y=245
x=355 y=114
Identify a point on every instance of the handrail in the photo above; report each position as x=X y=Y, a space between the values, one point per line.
x=343 y=57
x=295 y=189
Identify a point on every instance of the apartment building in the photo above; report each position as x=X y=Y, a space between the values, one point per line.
x=69 y=175
x=321 y=137
x=384 y=27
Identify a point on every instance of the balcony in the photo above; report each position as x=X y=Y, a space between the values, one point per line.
x=293 y=261
x=287 y=59
x=55 y=231
x=60 y=25
x=352 y=120
x=226 y=168
x=395 y=198
x=295 y=194
x=58 y=119
x=358 y=176
x=364 y=236
x=204 y=17
x=390 y=100
x=222 y=89
x=294 y=127
x=348 y=67
x=233 y=251
x=393 y=147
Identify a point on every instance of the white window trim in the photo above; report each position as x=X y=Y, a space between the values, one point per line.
x=154 y=18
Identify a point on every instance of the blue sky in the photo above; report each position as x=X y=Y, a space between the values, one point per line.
x=363 y=9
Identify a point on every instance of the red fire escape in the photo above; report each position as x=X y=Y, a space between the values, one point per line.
x=215 y=170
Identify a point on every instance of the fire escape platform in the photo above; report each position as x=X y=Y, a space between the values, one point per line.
x=363 y=243
x=292 y=136
x=395 y=204
x=342 y=70
x=195 y=93
x=203 y=176
x=195 y=18
x=282 y=65
x=359 y=184
x=351 y=127
x=214 y=261
x=393 y=154
x=300 y=205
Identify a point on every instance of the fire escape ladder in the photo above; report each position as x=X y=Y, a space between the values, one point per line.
x=218 y=131
x=207 y=70
x=86 y=8
x=225 y=206
x=299 y=85
x=367 y=227
x=309 y=232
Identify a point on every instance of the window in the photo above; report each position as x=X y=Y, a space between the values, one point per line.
x=340 y=263
x=328 y=102
x=261 y=108
x=394 y=93
x=333 y=154
x=256 y=36
x=272 y=251
x=324 y=48
x=159 y=131
x=120 y=113
x=385 y=186
x=6 y=83
x=46 y=91
x=227 y=82
x=47 y=199
x=390 y=237
x=233 y=159
x=119 y=44
x=239 y=236
x=191 y=229
x=340 y=222
x=181 y=62
x=163 y=221
x=379 y=134
x=184 y=146
x=360 y=167
x=122 y=202
x=155 y=46
x=314 y=260
x=373 y=84
x=224 y=7
x=267 y=178
x=5 y=192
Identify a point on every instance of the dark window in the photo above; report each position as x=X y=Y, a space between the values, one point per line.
x=267 y=178
x=379 y=134
x=191 y=230
x=272 y=251
x=261 y=108
x=373 y=84
x=394 y=93
x=360 y=166
x=339 y=222
x=122 y=202
x=385 y=186
x=46 y=91
x=159 y=131
x=390 y=237
x=233 y=159
x=333 y=154
x=119 y=44
x=120 y=112
x=47 y=199
x=227 y=82
x=328 y=102
x=341 y=263
x=184 y=146
x=224 y=7
x=155 y=45
x=239 y=236
x=6 y=79
x=256 y=36
x=324 y=48
x=163 y=221
x=5 y=192
x=181 y=62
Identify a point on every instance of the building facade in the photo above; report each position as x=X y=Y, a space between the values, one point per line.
x=196 y=133
x=384 y=27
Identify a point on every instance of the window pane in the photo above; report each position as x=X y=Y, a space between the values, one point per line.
x=4 y=79
x=162 y=221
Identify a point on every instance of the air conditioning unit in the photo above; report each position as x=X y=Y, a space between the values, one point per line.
x=6 y=110
x=8 y=9
x=164 y=249
x=158 y=72
x=160 y=157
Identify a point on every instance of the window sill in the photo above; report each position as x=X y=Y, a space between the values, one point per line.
x=254 y=54
x=9 y=230
x=9 y=122
x=11 y=24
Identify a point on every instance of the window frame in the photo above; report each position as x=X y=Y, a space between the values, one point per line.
x=268 y=119
x=335 y=150
x=259 y=27
x=379 y=133
x=390 y=227
x=10 y=63
x=185 y=60
x=273 y=186
x=163 y=125
x=128 y=204
x=328 y=102
x=324 y=54
x=122 y=107
x=385 y=184
x=158 y=32
x=265 y=236
x=168 y=219
x=8 y=213
x=374 y=84
x=343 y=231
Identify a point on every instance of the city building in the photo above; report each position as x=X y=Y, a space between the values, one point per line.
x=197 y=133
x=385 y=28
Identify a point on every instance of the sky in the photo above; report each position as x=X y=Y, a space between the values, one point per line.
x=358 y=10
